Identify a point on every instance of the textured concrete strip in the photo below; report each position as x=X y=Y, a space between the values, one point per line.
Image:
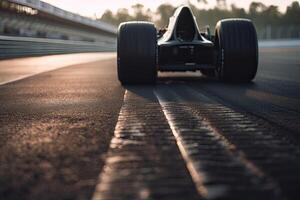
x=143 y=161
x=216 y=165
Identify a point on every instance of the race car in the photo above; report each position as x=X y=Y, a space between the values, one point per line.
x=230 y=55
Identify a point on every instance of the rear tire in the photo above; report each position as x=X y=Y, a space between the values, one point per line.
x=136 y=53
x=236 y=46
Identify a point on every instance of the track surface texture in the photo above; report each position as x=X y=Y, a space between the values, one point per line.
x=75 y=133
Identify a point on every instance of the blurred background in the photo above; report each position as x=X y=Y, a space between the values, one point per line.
x=271 y=22
x=278 y=21
x=66 y=26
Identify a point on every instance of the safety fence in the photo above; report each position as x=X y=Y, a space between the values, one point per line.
x=11 y=47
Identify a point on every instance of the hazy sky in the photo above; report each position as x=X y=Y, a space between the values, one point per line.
x=92 y=7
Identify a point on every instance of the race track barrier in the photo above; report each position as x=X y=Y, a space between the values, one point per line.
x=11 y=47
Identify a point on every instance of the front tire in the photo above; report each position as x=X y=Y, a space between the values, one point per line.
x=237 y=50
x=136 y=53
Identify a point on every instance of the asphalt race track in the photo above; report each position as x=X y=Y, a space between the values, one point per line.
x=69 y=130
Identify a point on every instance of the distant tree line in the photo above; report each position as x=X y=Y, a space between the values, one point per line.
x=269 y=21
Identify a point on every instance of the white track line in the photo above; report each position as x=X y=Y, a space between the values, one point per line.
x=28 y=76
x=86 y=59
x=196 y=176
x=102 y=176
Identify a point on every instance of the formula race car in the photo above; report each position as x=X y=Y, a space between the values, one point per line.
x=230 y=55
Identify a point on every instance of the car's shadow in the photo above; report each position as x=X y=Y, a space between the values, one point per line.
x=198 y=82
x=258 y=89
x=203 y=80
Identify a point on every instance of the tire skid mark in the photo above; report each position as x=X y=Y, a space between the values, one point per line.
x=291 y=104
x=143 y=160
x=207 y=152
x=283 y=116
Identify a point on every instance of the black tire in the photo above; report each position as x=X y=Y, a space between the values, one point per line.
x=237 y=50
x=137 y=53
